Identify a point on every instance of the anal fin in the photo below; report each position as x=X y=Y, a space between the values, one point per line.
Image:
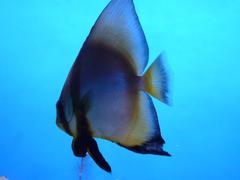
x=154 y=146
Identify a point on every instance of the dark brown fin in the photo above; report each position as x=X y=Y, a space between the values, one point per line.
x=154 y=146
x=79 y=147
x=97 y=156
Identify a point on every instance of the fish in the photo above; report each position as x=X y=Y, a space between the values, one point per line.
x=107 y=94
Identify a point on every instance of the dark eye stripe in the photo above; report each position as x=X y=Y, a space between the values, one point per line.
x=61 y=114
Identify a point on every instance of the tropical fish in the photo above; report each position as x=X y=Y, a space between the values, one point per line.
x=106 y=95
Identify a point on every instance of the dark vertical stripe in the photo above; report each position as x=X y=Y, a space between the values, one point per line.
x=64 y=121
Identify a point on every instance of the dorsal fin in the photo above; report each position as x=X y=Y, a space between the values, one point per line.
x=118 y=27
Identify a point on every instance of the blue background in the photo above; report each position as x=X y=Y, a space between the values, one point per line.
x=39 y=41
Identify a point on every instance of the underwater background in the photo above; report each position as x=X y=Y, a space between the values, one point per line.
x=39 y=41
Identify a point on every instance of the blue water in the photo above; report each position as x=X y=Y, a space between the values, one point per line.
x=39 y=41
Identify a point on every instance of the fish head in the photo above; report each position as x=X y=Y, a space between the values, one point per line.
x=65 y=114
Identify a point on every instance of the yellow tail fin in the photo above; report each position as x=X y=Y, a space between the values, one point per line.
x=156 y=80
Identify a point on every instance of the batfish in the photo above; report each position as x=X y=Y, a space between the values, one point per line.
x=107 y=94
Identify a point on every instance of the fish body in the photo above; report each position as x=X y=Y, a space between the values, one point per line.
x=106 y=94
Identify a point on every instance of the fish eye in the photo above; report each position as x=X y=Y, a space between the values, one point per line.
x=60 y=107
x=60 y=113
x=61 y=118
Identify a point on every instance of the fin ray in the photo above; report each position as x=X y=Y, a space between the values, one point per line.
x=118 y=27
x=156 y=80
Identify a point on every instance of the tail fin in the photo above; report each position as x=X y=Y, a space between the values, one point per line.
x=97 y=156
x=156 y=80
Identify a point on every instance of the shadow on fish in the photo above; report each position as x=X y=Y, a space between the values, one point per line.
x=106 y=95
